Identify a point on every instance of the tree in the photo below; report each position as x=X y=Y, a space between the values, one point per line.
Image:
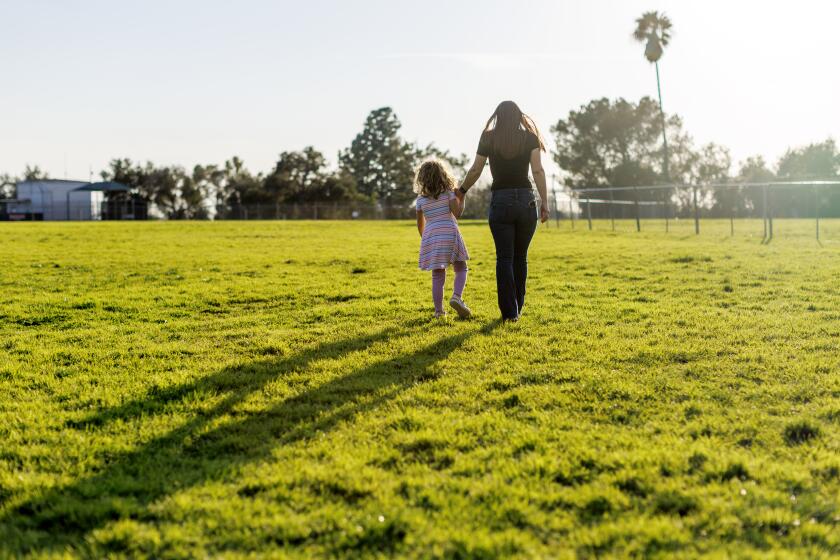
x=609 y=143
x=303 y=177
x=125 y=172
x=458 y=163
x=337 y=186
x=162 y=184
x=7 y=185
x=749 y=200
x=380 y=162
x=294 y=174
x=170 y=190
x=210 y=179
x=655 y=31
x=34 y=173
x=193 y=191
x=711 y=164
x=616 y=144
x=239 y=187
x=814 y=161
x=811 y=162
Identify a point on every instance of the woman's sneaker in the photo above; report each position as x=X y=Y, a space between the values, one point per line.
x=461 y=307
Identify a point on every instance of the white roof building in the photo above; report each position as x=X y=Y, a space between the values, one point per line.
x=57 y=199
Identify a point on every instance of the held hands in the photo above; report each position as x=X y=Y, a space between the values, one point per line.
x=543 y=213
x=459 y=195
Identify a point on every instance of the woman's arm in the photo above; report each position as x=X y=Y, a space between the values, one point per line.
x=456 y=206
x=472 y=175
x=421 y=222
x=539 y=177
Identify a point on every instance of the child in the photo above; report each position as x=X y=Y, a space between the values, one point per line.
x=441 y=244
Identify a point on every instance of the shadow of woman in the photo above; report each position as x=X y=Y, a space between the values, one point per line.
x=213 y=443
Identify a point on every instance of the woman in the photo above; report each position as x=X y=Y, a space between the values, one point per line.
x=511 y=141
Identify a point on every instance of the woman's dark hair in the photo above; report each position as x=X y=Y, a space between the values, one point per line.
x=507 y=123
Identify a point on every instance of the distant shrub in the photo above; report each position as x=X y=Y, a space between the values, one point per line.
x=406 y=424
x=596 y=508
x=735 y=470
x=685 y=259
x=800 y=432
x=674 y=503
x=37 y=321
x=427 y=451
x=692 y=411
x=566 y=478
x=632 y=486
x=831 y=472
x=385 y=536
x=342 y=298
x=696 y=462
x=500 y=386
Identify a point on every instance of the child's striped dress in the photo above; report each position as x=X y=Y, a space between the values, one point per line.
x=442 y=243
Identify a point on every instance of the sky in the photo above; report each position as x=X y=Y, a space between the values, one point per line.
x=185 y=81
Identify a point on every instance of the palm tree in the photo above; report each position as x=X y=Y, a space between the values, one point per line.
x=654 y=30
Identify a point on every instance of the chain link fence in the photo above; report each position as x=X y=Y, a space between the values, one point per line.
x=741 y=207
x=477 y=206
x=25 y=210
x=665 y=207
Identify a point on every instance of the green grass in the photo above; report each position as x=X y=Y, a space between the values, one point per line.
x=280 y=389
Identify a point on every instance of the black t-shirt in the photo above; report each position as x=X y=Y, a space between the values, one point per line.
x=508 y=173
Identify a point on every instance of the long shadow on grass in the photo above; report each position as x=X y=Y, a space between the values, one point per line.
x=217 y=440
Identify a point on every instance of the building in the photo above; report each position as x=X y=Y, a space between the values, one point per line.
x=56 y=199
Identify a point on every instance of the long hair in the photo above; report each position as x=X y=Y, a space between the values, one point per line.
x=507 y=122
x=433 y=179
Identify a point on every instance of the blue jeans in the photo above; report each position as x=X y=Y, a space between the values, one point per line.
x=513 y=221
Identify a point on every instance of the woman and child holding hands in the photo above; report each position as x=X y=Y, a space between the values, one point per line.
x=512 y=143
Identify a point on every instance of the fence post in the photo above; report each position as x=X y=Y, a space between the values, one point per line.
x=589 y=213
x=696 y=212
x=315 y=211
x=770 y=213
x=764 y=207
x=667 y=207
x=612 y=211
x=817 y=209
x=571 y=215
x=556 y=209
x=732 y=213
x=636 y=204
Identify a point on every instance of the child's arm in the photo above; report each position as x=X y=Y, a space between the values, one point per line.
x=421 y=222
x=456 y=206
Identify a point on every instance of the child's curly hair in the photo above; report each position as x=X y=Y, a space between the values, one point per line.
x=433 y=179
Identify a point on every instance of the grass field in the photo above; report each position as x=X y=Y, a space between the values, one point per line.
x=280 y=389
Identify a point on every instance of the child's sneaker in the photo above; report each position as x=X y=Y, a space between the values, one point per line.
x=461 y=307
x=440 y=314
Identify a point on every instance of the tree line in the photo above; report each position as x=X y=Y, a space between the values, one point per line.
x=618 y=143
x=604 y=143
x=377 y=167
